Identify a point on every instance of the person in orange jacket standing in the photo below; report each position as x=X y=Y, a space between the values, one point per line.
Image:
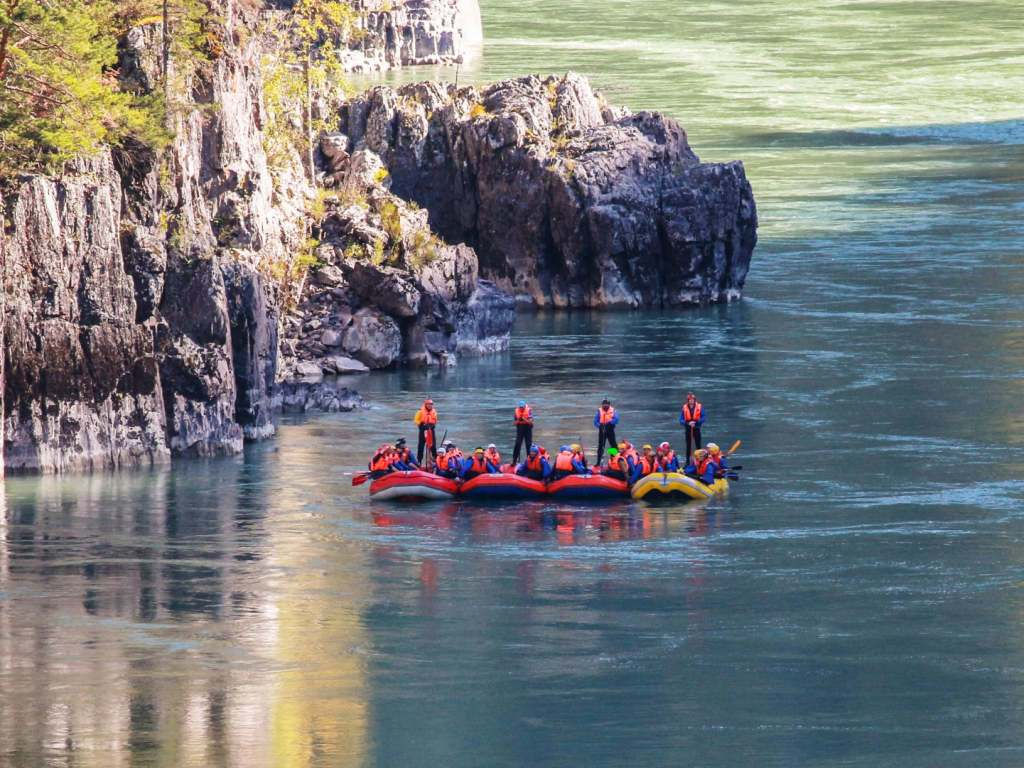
x=605 y=420
x=691 y=417
x=524 y=429
x=426 y=420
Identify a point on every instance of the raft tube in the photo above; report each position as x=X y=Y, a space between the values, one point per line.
x=588 y=487
x=502 y=486
x=665 y=486
x=412 y=486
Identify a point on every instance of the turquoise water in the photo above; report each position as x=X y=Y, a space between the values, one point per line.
x=855 y=601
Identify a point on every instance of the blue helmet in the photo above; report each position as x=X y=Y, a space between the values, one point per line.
x=534 y=448
x=522 y=403
x=564 y=448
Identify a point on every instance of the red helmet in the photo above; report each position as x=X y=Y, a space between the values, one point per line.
x=665 y=446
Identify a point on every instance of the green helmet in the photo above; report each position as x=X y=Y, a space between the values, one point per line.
x=613 y=451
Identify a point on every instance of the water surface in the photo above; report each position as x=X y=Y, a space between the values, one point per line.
x=855 y=601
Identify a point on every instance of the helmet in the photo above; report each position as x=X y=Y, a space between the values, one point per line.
x=647 y=447
x=623 y=445
x=606 y=401
x=576 y=447
x=522 y=403
x=447 y=444
x=699 y=454
x=665 y=446
x=713 y=448
x=399 y=441
x=534 y=448
x=613 y=451
x=563 y=448
x=689 y=395
x=492 y=445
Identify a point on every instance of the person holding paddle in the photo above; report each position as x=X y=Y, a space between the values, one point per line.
x=605 y=420
x=426 y=420
x=691 y=416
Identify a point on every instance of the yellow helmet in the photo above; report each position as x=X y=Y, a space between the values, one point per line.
x=623 y=445
x=576 y=447
x=647 y=447
x=713 y=448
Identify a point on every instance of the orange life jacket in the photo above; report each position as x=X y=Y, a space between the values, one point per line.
x=563 y=461
x=381 y=462
x=607 y=416
x=631 y=453
x=451 y=461
x=423 y=416
x=533 y=463
x=664 y=461
x=618 y=464
x=479 y=465
x=703 y=466
x=693 y=415
x=647 y=466
x=524 y=415
x=493 y=456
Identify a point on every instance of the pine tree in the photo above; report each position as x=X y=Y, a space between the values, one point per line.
x=59 y=94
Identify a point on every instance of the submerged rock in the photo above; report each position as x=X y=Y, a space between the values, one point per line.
x=567 y=201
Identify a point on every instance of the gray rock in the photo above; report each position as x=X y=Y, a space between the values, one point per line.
x=331 y=338
x=374 y=339
x=328 y=276
x=341 y=364
x=308 y=372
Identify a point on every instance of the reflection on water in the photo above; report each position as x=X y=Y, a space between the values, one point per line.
x=854 y=601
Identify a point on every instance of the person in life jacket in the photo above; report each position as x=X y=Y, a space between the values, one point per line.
x=449 y=463
x=667 y=460
x=605 y=420
x=426 y=420
x=536 y=465
x=477 y=464
x=493 y=457
x=700 y=467
x=718 y=458
x=567 y=464
x=647 y=464
x=404 y=460
x=580 y=455
x=523 y=416
x=382 y=462
x=618 y=466
x=630 y=454
x=691 y=416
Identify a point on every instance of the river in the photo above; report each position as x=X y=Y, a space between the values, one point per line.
x=855 y=601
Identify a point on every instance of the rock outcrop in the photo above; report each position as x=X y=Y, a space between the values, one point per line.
x=568 y=201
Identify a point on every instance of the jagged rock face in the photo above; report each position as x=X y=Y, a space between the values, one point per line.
x=567 y=201
x=82 y=389
x=409 y=32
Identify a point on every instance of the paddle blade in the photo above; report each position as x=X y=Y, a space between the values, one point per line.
x=360 y=478
x=735 y=447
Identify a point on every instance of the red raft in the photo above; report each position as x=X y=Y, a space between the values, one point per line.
x=588 y=487
x=413 y=486
x=502 y=486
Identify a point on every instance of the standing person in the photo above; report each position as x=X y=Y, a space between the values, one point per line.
x=426 y=420
x=691 y=416
x=605 y=420
x=524 y=429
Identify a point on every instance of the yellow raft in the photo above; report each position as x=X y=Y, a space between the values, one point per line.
x=665 y=486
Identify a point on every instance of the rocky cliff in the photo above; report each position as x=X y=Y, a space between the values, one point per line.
x=569 y=202
x=144 y=291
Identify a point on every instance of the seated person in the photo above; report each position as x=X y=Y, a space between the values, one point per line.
x=618 y=467
x=700 y=467
x=647 y=464
x=718 y=458
x=536 y=466
x=580 y=455
x=493 y=457
x=477 y=464
x=382 y=462
x=667 y=459
x=449 y=462
x=404 y=460
x=566 y=463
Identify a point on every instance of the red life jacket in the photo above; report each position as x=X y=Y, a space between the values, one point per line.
x=493 y=456
x=533 y=463
x=423 y=416
x=381 y=462
x=703 y=466
x=664 y=461
x=693 y=415
x=580 y=456
x=618 y=464
x=451 y=461
x=524 y=415
x=606 y=416
x=647 y=466
x=479 y=465
x=563 y=461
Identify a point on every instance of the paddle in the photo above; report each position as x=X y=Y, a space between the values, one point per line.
x=735 y=447
x=361 y=478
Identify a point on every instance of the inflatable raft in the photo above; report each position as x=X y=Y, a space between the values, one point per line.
x=502 y=486
x=675 y=486
x=588 y=487
x=413 y=486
